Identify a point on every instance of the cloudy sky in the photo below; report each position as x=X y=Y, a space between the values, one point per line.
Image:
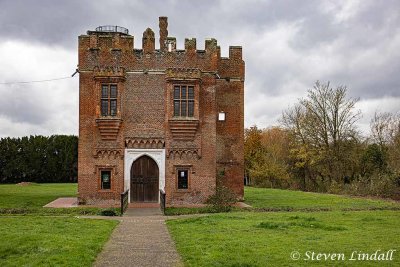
x=287 y=46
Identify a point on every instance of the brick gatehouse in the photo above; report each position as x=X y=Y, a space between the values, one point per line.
x=152 y=119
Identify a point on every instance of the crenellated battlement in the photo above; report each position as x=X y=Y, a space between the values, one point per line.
x=114 y=46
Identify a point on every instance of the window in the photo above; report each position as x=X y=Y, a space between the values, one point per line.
x=183 y=101
x=221 y=116
x=183 y=181
x=105 y=179
x=109 y=99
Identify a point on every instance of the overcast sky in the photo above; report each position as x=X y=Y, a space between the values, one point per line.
x=287 y=46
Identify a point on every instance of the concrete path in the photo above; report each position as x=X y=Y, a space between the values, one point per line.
x=141 y=239
x=63 y=202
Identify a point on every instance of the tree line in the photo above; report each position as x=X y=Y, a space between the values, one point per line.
x=318 y=147
x=39 y=159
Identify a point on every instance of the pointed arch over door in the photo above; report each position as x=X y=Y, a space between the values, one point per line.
x=144 y=180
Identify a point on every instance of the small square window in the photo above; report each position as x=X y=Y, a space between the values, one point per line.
x=183 y=181
x=221 y=116
x=105 y=179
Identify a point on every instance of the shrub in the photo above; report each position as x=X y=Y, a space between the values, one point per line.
x=222 y=200
x=108 y=212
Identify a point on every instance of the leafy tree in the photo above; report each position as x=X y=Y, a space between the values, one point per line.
x=322 y=127
x=265 y=156
x=39 y=159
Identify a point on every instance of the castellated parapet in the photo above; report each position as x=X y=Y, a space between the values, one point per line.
x=97 y=49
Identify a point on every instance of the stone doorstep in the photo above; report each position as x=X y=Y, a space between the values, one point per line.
x=144 y=205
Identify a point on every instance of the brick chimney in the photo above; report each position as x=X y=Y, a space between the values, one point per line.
x=163 y=24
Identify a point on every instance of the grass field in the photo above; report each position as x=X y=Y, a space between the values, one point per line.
x=35 y=236
x=297 y=200
x=16 y=199
x=51 y=241
x=258 y=238
x=34 y=195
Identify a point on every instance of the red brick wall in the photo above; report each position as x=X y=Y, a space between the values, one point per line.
x=145 y=110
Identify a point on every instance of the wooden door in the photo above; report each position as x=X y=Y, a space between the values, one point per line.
x=144 y=180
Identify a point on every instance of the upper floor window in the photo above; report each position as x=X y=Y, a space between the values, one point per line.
x=109 y=99
x=183 y=101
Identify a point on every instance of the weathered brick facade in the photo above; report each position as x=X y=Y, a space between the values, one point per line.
x=143 y=120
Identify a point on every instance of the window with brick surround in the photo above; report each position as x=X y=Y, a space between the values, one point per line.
x=109 y=95
x=183 y=179
x=183 y=101
x=105 y=177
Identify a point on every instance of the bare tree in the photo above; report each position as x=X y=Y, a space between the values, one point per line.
x=385 y=127
x=325 y=117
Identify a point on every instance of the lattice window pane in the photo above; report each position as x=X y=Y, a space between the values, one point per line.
x=104 y=107
x=176 y=92
x=113 y=107
x=104 y=91
x=190 y=92
x=183 y=109
x=176 y=108
x=113 y=91
x=183 y=91
x=190 y=108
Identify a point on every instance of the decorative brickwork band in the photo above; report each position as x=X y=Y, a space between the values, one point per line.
x=109 y=72
x=184 y=153
x=182 y=74
x=150 y=143
x=108 y=153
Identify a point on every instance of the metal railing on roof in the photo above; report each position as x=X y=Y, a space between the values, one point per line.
x=111 y=28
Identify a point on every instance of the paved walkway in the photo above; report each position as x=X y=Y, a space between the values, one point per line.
x=141 y=239
x=63 y=202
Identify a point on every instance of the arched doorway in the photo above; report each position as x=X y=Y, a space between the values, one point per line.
x=144 y=180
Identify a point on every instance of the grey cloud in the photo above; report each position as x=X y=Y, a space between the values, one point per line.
x=360 y=51
x=24 y=106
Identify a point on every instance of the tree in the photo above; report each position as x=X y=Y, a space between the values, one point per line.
x=39 y=159
x=322 y=125
x=385 y=131
x=385 y=128
x=252 y=148
x=265 y=156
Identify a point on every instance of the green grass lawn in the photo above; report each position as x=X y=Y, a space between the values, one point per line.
x=51 y=241
x=42 y=239
x=30 y=199
x=258 y=238
x=34 y=195
x=297 y=200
